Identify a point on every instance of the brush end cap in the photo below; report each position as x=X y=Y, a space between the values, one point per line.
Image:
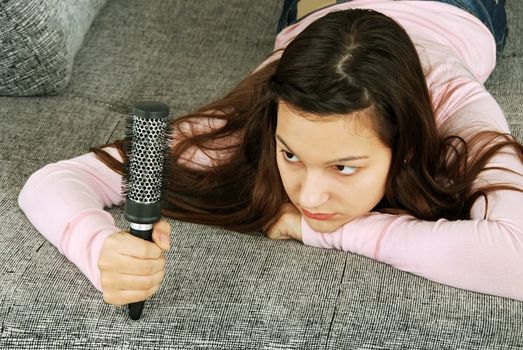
x=151 y=110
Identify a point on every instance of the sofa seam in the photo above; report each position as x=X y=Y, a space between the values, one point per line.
x=334 y=312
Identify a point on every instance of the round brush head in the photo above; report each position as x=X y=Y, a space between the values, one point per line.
x=147 y=145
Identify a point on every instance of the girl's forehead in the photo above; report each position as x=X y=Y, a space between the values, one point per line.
x=356 y=123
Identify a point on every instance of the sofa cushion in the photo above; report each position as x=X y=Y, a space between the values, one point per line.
x=38 y=42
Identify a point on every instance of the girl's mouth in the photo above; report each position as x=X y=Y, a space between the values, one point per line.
x=319 y=216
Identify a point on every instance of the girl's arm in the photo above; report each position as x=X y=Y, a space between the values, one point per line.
x=65 y=202
x=483 y=254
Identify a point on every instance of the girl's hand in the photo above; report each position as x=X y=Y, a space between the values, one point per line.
x=132 y=269
x=288 y=225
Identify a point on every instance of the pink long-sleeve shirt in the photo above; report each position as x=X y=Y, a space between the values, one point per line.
x=65 y=201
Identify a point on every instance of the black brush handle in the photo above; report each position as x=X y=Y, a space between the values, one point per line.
x=135 y=309
x=146 y=147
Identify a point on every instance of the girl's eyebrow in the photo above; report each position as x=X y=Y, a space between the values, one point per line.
x=344 y=159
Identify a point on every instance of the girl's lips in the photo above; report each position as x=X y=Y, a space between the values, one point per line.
x=318 y=216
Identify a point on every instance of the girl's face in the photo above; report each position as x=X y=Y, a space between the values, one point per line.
x=330 y=165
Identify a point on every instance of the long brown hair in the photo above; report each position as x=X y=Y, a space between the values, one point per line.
x=344 y=62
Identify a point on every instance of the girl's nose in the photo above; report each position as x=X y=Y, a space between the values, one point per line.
x=314 y=191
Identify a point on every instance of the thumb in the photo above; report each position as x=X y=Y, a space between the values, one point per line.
x=162 y=235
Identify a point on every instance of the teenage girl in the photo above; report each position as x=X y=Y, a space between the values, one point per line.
x=368 y=129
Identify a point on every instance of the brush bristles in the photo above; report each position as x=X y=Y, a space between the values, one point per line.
x=147 y=146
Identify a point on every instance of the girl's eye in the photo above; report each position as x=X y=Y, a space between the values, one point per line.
x=342 y=169
x=346 y=170
x=288 y=155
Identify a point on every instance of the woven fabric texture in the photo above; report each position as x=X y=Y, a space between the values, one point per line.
x=222 y=289
x=38 y=43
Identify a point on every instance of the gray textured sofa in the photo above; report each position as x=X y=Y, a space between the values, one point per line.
x=222 y=290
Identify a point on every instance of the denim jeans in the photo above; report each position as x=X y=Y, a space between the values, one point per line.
x=490 y=12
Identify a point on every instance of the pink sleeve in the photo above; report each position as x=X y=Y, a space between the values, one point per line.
x=64 y=201
x=482 y=255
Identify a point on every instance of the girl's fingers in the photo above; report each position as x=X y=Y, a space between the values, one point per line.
x=129 y=265
x=124 y=282
x=124 y=297
x=129 y=245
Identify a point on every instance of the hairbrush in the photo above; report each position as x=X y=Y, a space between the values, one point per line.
x=147 y=145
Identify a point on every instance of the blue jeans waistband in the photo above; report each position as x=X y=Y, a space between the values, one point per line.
x=489 y=12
